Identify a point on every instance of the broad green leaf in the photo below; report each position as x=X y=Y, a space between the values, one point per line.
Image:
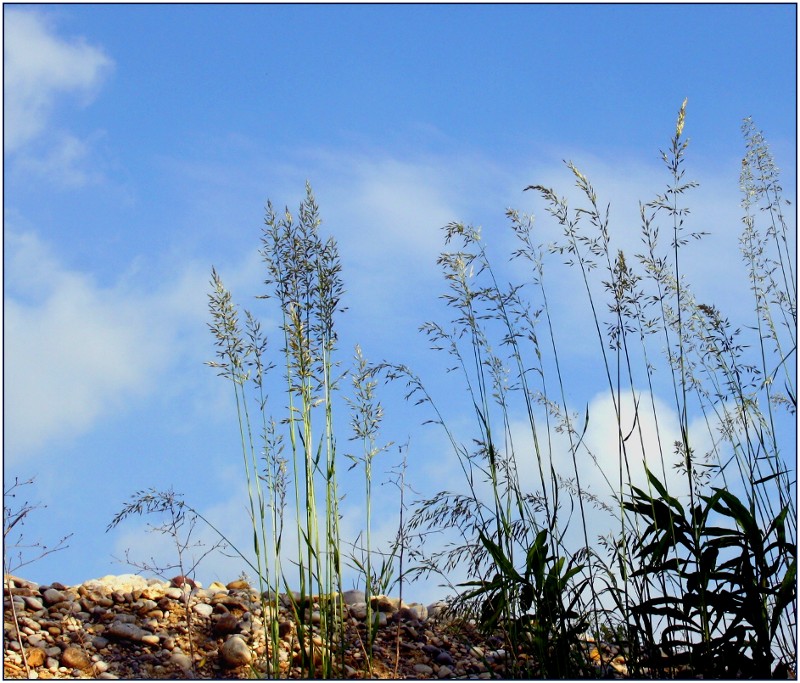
x=502 y=562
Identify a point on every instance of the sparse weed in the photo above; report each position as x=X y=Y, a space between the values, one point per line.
x=179 y=525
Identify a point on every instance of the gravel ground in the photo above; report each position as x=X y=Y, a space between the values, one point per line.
x=128 y=627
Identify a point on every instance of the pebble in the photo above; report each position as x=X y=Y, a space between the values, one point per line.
x=112 y=583
x=423 y=669
x=33 y=603
x=358 y=610
x=182 y=660
x=36 y=641
x=444 y=658
x=445 y=672
x=52 y=596
x=36 y=656
x=235 y=652
x=75 y=658
x=203 y=609
x=354 y=596
x=383 y=603
x=240 y=584
x=126 y=630
x=227 y=623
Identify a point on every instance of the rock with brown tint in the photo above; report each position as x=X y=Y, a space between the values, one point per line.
x=227 y=623
x=76 y=658
x=239 y=584
x=51 y=596
x=35 y=656
x=180 y=580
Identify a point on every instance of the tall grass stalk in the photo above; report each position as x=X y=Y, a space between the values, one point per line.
x=367 y=414
x=304 y=279
x=304 y=274
x=511 y=523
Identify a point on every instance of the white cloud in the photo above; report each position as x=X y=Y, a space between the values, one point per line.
x=39 y=66
x=76 y=351
x=650 y=441
x=65 y=162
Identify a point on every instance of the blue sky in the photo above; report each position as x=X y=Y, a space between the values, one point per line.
x=141 y=143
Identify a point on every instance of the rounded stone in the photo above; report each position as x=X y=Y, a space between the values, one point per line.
x=227 y=623
x=36 y=641
x=52 y=596
x=239 y=584
x=423 y=669
x=34 y=604
x=126 y=630
x=75 y=658
x=383 y=603
x=235 y=652
x=35 y=656
x=203 y=609
x=354 y=596
x=444 y=658
x=358 y=610
x=174 y=593
x=182 y=660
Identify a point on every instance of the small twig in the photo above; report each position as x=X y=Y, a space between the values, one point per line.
x=16 y=623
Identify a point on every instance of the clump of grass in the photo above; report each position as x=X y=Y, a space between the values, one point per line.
x=673 y=580
x=701 y=583
x=304 y=279
x=502 y=525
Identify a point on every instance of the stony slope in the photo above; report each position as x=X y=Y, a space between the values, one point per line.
x=131 y=627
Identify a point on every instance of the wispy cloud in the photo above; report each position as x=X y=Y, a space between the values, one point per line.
x=68 y=162
x=39 y=66
x=76 y=351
